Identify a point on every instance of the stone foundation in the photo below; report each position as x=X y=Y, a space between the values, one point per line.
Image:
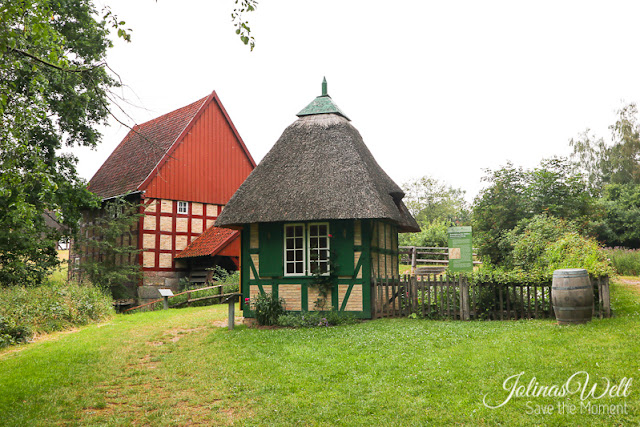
x=154 y=280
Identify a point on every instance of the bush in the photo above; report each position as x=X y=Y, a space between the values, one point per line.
x=542 y=244
x=575 y=251
x=268 y=308
x=524 y=246
x=433 y=233
x=625 y=261
x=316 y=318
x=53 y=306
x=11 y=333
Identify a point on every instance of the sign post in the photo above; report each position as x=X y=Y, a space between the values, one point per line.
x=166 y=293
x=460 y=249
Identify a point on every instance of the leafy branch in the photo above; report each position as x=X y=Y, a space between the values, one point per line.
x=242 y=26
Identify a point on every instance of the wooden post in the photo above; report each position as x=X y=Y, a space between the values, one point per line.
x=413 y=260
x=464 y=298
x=606 y=300
x=422 y=301
x=232 y=312
x=552 y=313
x=474 y=306
x=373 y=299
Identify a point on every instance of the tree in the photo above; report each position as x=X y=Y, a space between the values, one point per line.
x=108 y=249
x=54 y=90
x=242 y=27
x=618 y=226
x=515 y=194
x=498 y=208
x=613 y=172
x=429 y=199
x=615 y=163
x=436 y=206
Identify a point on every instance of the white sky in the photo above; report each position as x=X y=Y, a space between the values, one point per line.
x=440 y=88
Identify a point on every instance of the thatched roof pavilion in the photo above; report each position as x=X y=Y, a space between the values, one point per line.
x=318 y=204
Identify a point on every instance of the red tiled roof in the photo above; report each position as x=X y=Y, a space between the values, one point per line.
x=141 y=151
x=209 y=243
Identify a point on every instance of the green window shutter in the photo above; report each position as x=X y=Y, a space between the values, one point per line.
x=271 y=247
x=342 y=246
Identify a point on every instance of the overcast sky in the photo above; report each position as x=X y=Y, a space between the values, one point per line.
x=445 y=88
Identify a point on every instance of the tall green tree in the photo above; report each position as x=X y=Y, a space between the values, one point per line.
x=612 y=169
x=53 y=93
x=620 y=223
x=430 y=199
x=615 y=162
x=436 y=206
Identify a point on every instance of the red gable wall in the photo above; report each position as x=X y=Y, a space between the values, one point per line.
x=209 y=155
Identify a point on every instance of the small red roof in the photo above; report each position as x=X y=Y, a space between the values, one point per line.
x=210 y=242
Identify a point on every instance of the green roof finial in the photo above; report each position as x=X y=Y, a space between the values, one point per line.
x=323 y=104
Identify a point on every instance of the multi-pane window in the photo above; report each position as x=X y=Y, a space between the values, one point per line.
x=183 y=207
x=294 y=253
x=318 y=248
x=306 y=249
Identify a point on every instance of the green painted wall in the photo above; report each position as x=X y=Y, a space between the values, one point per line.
x=268 y=274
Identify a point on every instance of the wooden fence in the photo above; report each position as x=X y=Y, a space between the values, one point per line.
x=151 y=305
x=427 y=259
x=438 y=297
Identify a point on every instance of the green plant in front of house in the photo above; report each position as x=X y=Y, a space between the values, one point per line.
x=268 y=307
x=324 y=281
x=316 y=318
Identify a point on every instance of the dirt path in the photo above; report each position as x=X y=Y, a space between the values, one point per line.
x=633 y=282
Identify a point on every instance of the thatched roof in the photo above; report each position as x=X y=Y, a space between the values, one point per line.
x=319 y=169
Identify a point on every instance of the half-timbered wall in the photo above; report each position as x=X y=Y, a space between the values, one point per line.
x=263 y=260
x=384 y=251
x=164 y=233
x=384 y=259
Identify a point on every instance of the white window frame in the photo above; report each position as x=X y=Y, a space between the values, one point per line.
x=304 y=250
x=182 y=204
x=308 y=249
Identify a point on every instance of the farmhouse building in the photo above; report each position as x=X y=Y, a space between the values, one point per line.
x=318 y=201
x=182 y=168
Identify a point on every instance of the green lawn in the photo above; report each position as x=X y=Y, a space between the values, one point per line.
x=180 y=367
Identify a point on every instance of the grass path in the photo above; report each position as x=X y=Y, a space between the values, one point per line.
x=179 y=368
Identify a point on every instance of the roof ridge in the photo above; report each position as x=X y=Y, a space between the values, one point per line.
x=156 y=119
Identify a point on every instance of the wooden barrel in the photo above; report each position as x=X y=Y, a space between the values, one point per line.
x=572 y=296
